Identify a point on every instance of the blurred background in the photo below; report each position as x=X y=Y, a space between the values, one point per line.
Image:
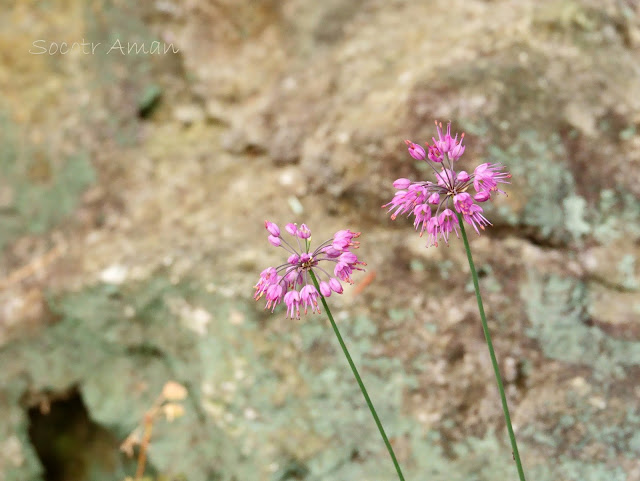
x=143 y=144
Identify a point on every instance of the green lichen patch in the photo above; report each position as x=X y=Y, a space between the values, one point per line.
x=37 y=190
x=571 y=470
x=119 y=345
x=548 y=199
x=558 y=309
x=590 y=436
x=267 y=400
x=541 y=176
x=255 y=402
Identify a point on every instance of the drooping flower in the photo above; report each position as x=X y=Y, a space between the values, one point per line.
x=291 y=283
x=450 y=191
x=487 y=176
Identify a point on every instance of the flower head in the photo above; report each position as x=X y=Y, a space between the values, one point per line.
x=449 y=191
x=290 y=282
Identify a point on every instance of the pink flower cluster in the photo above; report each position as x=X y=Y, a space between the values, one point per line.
x=449 y=190
x=290 y=282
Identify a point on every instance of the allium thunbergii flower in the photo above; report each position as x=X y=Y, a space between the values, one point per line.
x=449 y=191
x=290 y=282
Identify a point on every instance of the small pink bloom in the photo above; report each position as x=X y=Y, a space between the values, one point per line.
x=416 y=151
x=406 y=200
x=274 y=240
x=267 y=277
x=308 y=296
x=269 y=273
x=343 y=272
x=273 y=229
x=462 y=202
x=463 y=176
x=291 y=229
x=293 y=259
x=292 y=277
x=457 y=149
x=435 y=155
x=292 y=300
x=274 y=296
x=306 y=259
x=475 y=218
x=487 y=176
x=401 y=183
x=434 y=199
x=436 y=229
x=335 y=285
x=447 y=178
x=432 y=232
x=445 y=142
x=346 y=234
x=423 y=215
x=448 y=222
x=331 y=252
x=343 y=239
x=348 y=257
x=304 y=232
x=325 y=289
x=482 y=196
x=397 y=204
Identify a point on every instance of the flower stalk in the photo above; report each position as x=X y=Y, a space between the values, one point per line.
x=451 y=198
x=295 y=283
x=492 y=354
x=359 y=380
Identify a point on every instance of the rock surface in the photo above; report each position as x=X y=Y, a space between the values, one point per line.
x=133 y=189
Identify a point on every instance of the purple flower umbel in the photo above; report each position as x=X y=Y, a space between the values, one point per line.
x=449 y=190
x=291 y=281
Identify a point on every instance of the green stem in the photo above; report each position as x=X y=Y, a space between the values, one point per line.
x=494 y=361
x=358 y=379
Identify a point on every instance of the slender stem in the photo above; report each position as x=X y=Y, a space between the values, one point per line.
x=494 y=361
x=358 y=379
x=144 y=445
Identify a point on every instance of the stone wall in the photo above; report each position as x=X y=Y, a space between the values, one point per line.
x=137 y=168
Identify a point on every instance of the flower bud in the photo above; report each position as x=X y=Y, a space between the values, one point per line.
x=463 y=176
x=401 y=183
x=273 y=229
x=304 y=232
x=483 y=196
x=335 y=285
x=293 y=259
x=274 y=240
x=291 y=229
x=325 y=290
x=434 y=199
x=416 y=151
